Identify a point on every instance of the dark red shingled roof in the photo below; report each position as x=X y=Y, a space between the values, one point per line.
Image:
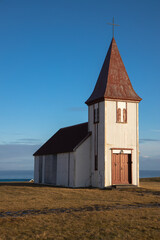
x=113 y=81
x=65 y=140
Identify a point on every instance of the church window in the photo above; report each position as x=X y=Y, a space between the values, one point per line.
x=96 y=114
x=96 y=163
x=124 y=115
x=118 y=115
x=121 y=112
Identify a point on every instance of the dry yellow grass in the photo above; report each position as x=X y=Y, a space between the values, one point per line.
x=117 y=224
x=150 y=185
x=87 y=216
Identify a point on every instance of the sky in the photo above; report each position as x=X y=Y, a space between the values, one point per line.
x=51 y=53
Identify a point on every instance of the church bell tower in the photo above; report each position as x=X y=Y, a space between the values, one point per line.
x=114 y=123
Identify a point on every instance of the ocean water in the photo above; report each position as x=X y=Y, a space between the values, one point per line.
x=21 y=175
x=149 y=173
x=26 y=175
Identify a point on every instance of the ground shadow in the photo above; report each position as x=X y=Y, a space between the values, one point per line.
x=23 y=184
x=29 y=184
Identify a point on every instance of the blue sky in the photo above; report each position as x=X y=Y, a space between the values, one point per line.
x=51 y=53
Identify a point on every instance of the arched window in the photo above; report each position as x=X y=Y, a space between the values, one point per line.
x=124 y=115
x=121 y=112
x=118 y=115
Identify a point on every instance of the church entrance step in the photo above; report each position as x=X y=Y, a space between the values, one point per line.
x=123 y=186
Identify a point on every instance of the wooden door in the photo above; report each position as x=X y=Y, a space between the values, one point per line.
x=116 y=169
x=121 y=168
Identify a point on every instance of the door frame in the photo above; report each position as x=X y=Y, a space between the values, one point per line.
x=125 y=151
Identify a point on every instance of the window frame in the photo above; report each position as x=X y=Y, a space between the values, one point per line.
x=96 y=114
x=122 y=113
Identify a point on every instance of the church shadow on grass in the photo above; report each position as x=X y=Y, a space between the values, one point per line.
x=23 y=184
x=28 y=184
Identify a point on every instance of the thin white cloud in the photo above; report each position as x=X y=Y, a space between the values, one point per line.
x=17 y=156
x=78 y=109
x=144 y=140
x=150 y=155
x=25 y=141
x=150 y=148
x=28 y=141
x=145 y=157
x=156 y=130
x=149 y=163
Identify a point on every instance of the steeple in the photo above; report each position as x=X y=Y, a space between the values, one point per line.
x=113 y=81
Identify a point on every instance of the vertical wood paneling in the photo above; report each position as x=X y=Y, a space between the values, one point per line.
x=40 y=168
x=121 y=168
x=50 y=169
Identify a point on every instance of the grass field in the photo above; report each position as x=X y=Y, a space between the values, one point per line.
x=29 y=211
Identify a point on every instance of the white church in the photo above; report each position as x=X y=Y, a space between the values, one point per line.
x=105 y=150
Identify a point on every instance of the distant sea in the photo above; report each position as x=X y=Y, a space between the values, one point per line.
x=26 y=175
x=149 y=173
x=16 y=176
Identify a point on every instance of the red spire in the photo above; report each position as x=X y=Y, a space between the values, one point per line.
x=113 y=81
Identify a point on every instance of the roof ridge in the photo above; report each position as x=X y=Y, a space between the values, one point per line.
x=74 y=125
x=109 y=61
x=101 y=85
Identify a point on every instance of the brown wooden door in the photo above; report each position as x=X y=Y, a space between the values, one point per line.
x=121 y=168
x=116 y=177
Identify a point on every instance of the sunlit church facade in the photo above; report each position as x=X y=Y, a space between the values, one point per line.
x=104 y=151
